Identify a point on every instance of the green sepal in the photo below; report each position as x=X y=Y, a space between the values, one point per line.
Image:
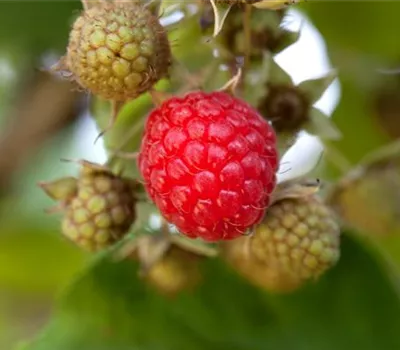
x=321 y=125
x=313 y=89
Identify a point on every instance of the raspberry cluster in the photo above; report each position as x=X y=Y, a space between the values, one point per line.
x=208 y=160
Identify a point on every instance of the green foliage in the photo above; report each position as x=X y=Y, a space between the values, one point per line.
x=109 y=307
x=36 y=26
x=360 y=43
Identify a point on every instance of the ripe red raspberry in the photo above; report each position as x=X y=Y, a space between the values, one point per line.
x=209 y=162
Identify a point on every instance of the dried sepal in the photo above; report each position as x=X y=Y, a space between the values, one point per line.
x=275 y=4
x=61 y=189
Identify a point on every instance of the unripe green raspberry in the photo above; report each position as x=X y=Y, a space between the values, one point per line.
x=176 y=271
x=301 y=235
x=264 y=275
x=100 y=210
x=298 y=240
x=286 y=106
x=118 y=50
x=169 y=264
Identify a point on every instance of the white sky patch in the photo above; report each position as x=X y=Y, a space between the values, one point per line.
x=306 y=59
x=155 y=222
x=86 y=133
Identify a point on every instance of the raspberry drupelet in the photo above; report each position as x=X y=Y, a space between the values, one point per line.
x=209 y=163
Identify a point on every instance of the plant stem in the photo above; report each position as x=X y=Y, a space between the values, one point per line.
x=337 y=158
x=247 y=35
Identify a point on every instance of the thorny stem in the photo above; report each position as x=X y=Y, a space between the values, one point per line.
x=158 y=97
x=118 y=151
x=115 y=108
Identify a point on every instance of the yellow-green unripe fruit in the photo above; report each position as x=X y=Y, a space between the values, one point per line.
x=102 y=210
x=297 y=241
x=178 y=270
x=117 y=50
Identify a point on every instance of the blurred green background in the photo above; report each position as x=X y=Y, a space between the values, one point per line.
x=42 y=120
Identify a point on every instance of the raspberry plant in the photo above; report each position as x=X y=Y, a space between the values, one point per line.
x=195 y=240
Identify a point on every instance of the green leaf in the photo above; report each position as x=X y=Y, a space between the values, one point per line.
x=125 y=135
x=354 y=118
x=353 y=306
x=36 y=26
x=27 y=257
x=357 y=26
x=367 y=199
x=358 y=48
x=388 y=152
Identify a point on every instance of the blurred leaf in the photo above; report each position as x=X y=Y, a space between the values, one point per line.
x=110 y=308
x=182 y=35
x=34 y=265
x=360 y=132
x=368 y=199
x=359 y=39
x=364 y=27
x=36 y=25
x=388 y=152
x=321 y=125
x=28 y=201
x=34 y=261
